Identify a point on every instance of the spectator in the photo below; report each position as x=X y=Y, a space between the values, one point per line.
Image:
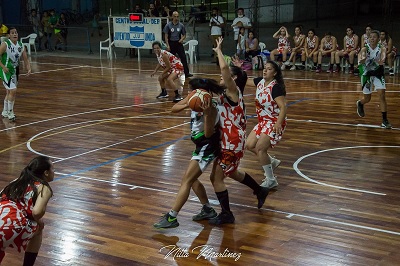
x=153 y=12
x=350 y=49
x=298 y=48
x=167 y=12
x=240 y=21
x=283 y=45
x=216 y=24
x=3 y=30
x=252 y=48
x=310 y=48
x=95 y=24
x=391 y=51
x=34 y=19
x=138 y=9
x=61 y=32
x=241 y=43
x=48 y=31
x=327 y=49
x=53 y=20
x=365 y=36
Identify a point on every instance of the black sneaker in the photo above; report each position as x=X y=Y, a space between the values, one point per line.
x=391 y=72
x=223 y=218
x=386 y=124
x=177 y=98
x=162 y=95
x=188 y=75
x=261 y=196
x=205 y=214
x=360 y=109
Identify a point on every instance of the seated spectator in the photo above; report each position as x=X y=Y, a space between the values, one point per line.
x=252 y=48
x=310 y=48
x=152 y=12
x=391 y=51
x=241 y=45
x=327 y=48
x=283 y=45
x=298 y=48
x=350 y=50
x=365 y=36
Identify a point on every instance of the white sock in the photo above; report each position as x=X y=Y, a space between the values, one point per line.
x=10 y=105
x=268 y=172
x=173 y=213
x=5 y=108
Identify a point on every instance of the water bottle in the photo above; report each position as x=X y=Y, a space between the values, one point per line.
x=256 y=66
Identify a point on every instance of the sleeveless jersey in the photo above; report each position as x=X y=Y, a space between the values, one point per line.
x=350 y=42
x=297 y=39
x=266 y=107
x=328 y=45
x=311 y=43
x=197 y=126
x=10 y=59
x=174 y=61
x=366 y=40
x=384 y=44
x=373 y=57
x=283 y=42
x=232 y=123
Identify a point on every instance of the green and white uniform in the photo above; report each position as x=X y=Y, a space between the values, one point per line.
x=10 y=60
x=371 y=64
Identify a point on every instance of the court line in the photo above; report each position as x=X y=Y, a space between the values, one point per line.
x=289 y=215
x=52 y=70
x=296 y=168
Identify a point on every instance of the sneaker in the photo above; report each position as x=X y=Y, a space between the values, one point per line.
x=4 y=114
x=293 y=68
x=386 y=124
x=205 y=214
x=261 y=196
x=337 y=70
x=223 y=218
x=287 y=63
x=177 y=98
x=270 y=183
x=11 y=115
x=167 y=221
x=188 y=75
x=360 y=109
x=162 y=95
x=275 y=163
x=318 y=70
x=283 y=67
x=351 y=70
x=391 y=72
x=330 y=70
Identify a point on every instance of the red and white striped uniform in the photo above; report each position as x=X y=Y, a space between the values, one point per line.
x=175 y=62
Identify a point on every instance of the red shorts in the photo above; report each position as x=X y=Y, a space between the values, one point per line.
x=229 y=160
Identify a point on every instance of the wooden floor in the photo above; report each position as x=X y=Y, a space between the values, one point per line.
x=120 y=154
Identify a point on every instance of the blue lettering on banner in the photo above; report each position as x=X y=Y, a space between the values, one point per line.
x=137 y=35
x=149 y=37
x=121 y=36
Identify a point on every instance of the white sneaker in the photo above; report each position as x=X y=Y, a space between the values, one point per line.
x=11 y=115
x=4 y=113
x=270 y=182
x=283 y=66
x=287 y=63
x=293 y=67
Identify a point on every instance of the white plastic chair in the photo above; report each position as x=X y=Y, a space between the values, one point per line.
x=107 y=46
x=191 y=51
x=31 y=41
x=262 y=46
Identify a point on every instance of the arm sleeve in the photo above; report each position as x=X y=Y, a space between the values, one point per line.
x=277 y=91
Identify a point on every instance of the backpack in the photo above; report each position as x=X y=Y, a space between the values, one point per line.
x=257 y=62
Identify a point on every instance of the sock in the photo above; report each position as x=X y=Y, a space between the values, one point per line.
x=5 y=108
x=268 y=171
x=330 y=66
x=10 y=105
x=251 y=183
x=173 y=213
x=2 y=254
x=163 y=90
x=384 y=115
x=352 y=65
x=29 y=258
x=207 y=205
x=303 y=62
x=338 y=66
x=315 y=64
x=176 y=92
x=223 y=199
x=319 y=65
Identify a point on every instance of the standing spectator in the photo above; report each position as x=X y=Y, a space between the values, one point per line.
x=252 y=49
x=241 y=43
x=153 y=12
x=22 y=205
x=327 y=48
x=48 y=31
x=61 y=32
x=298 y=48
x=53 y=20
x=172 y=71
x=240 y=21
x=216 y=24
x=175 y=34
x=167 y=12
x=310 y=49
x=386 y=41
x=95 y=24
x=350 y=50
x=34 y=19
x=283 y=45
x=138 y=9
x=11 y=51
x=371 y=60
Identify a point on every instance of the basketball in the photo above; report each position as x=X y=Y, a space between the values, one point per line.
x=196 y=98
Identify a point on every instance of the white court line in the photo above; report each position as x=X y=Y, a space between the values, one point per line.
x=52 y=70
x=289 y=215
x=295 y=167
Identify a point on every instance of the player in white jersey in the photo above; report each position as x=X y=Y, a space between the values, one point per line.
x=371 y=60
x=11 y=51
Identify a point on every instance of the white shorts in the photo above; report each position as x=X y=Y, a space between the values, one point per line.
x=379 y=84
x=12 y=83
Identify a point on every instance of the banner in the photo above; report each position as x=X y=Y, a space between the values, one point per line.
x=132 y=34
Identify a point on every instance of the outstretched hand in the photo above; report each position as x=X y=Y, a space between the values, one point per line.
x=218 y=42
x=236 y=61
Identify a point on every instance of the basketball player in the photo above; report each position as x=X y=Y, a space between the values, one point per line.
x=11 y=51
x=371 y=64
